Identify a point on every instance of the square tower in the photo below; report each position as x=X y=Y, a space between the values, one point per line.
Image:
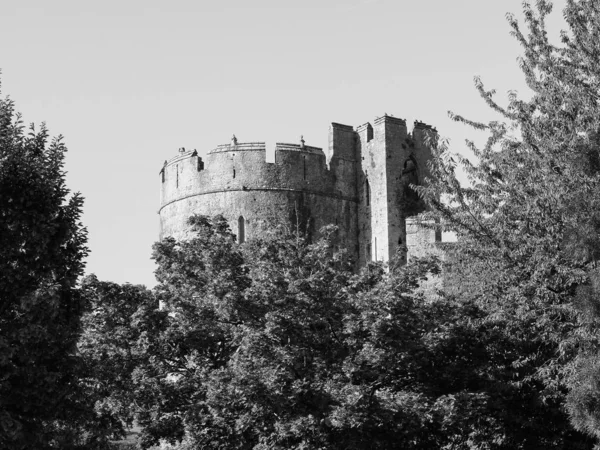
x=391 y=160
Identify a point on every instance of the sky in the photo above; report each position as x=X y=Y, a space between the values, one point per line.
x=128 y=82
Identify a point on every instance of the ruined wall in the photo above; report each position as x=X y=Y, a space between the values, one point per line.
x=422 y=241
x=365 y=184
x=343 y=166
x=359 y=183
x=390 y=160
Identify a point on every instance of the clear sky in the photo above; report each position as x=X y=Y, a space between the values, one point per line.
x=128 y=82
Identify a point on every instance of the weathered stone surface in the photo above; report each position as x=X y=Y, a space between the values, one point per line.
x=359 y=184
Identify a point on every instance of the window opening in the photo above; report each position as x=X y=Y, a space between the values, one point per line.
x=367 y=192
x=375 y=249
x=369 y=133
x=304 y=166
x=412 y=204
x=410 y=169
x=241 y=230
x=177 y=175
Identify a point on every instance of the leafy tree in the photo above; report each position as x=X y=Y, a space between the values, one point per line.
x=42 y=246
x=529 y=216
x=108 y=347
x=266 y=346
x=278 y=344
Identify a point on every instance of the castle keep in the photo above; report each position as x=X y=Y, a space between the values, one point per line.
x=360 y=183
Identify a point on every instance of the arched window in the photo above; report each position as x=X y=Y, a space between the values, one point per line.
x=412 y=204
x=410 y=170
x=241 y=230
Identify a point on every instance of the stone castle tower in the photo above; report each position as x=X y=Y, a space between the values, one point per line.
x=360 y=183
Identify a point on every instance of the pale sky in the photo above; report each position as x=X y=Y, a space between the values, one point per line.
x=128 y=82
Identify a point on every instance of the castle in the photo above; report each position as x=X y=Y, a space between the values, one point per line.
x=360 y=183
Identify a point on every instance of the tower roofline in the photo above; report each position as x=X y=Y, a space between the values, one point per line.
x=341 y=126
x=391 y=119
x=261 y=146
x=423 y=126
x=363 y=126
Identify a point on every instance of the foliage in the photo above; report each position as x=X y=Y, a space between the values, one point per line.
x=530 y=214
x=108 y=347
x=42 y=246
x=277 y=343
x=263 y=347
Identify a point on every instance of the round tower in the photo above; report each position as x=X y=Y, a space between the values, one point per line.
x=236 y=181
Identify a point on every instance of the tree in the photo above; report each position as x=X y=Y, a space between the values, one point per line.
x=108 y=348
x=530 y=214
x=42 y=247
x=278 y=344
x=266 y=346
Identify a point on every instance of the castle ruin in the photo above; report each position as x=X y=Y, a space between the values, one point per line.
x=360 y=183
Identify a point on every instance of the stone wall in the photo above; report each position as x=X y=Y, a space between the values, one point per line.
x=359 y=184
x=236 y=181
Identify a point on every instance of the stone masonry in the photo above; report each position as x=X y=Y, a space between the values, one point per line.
x=359 y=183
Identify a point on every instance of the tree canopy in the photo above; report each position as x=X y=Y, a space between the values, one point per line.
x=528 y=217
x=277 y=343
x=42 y=246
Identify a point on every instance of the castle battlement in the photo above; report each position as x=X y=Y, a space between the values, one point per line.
x=390 y=119
x=261 y=146
x=360 y=183
x=423 y=126
x=239 y=147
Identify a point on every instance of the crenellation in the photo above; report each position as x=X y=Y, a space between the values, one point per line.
x=365 y=132
x=341 y=126
x=423 y=126
x=342 y=143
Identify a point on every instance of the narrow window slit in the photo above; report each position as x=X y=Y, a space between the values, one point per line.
x=241 y=230
x=375 y=249
x=304 y=166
